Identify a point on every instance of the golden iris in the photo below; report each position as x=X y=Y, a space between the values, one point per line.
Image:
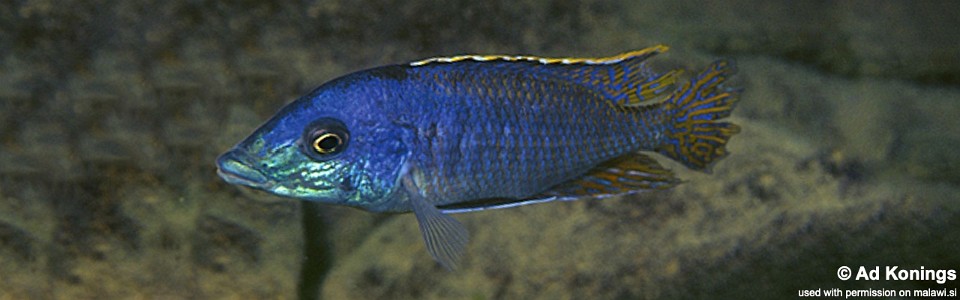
x=327 y=143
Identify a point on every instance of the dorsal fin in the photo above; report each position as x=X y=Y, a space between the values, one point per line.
x=642 y=54
x=627 y=82
x=622 y=78
x=624 y=175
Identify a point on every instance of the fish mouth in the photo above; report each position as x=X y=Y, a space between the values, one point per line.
x=235 y=169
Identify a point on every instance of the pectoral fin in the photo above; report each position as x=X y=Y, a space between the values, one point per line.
x=445 y=237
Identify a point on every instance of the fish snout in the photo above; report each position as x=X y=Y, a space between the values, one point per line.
x=235 y=168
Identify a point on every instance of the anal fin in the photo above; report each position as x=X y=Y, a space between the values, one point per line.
x=627 y=174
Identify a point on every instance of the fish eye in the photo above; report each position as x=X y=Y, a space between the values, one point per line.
x=325 y=138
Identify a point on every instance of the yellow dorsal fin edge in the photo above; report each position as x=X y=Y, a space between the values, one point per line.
x=547 y=60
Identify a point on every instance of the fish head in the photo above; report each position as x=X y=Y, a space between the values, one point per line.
x=333 y=146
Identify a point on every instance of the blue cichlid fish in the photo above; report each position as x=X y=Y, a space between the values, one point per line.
x=474 y=132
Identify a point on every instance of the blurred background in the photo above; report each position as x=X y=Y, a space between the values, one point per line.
x=112 y=113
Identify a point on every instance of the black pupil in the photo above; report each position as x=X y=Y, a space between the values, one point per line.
x=328 y=142
x=324 y=139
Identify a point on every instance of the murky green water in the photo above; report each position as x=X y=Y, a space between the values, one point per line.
x=112 y=113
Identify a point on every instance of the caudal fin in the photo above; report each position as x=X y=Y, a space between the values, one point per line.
x=694 y=135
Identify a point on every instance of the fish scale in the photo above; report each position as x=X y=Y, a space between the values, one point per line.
x=458 y=167
x=475 y=132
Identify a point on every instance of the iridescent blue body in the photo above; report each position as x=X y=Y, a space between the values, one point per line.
x=467 y=133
